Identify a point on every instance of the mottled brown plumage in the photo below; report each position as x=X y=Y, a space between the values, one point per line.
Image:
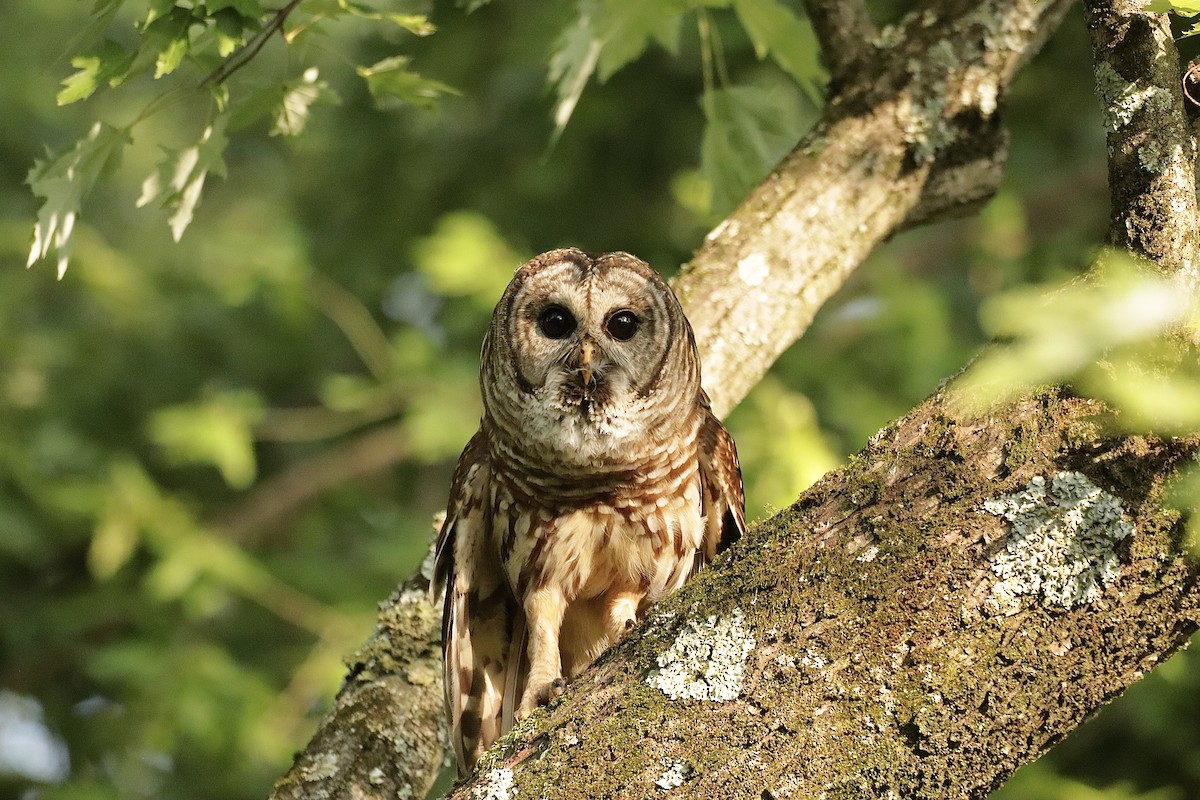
x=598 y=482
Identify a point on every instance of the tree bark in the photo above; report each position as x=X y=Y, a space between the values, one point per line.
x=878 y=661
x=882 y=664
x=1151 y=153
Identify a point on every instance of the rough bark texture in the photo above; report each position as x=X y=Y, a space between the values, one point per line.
x=383 y=737
x=878 y=666
x=847 y=35
x=881 y=667
x=1151 y=153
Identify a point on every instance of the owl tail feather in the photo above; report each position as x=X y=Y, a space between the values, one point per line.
x=518 y=672
x=483 y=684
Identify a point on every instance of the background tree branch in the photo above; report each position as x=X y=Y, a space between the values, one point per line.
x=915 y=139
x=878 y=662
x=1151 y=153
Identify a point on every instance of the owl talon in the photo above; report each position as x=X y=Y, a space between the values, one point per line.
x=541 y=696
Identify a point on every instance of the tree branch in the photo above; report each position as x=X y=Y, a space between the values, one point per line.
x=917 y=139
x=1151 y=151
x=846 y=33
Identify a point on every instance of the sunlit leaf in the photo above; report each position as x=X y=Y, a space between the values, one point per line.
x=466 y=256
x=604 y=36
x=171 y=56
x=231 y=31
x=216 y=431
x=178 y=180
x=1058 y=334
x=749 y=129
x=628 y=28
x=1185 y=8
x=391 y=77
x=63 y=179
x=784 y=447
x=110 y=64
x=341 y=392
x=418 y=24
x=113 y=543
x=444 y=412
x=298 y=98
x=156 y=9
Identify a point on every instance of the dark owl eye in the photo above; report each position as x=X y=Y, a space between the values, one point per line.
x=556 y=322
x=623 y=325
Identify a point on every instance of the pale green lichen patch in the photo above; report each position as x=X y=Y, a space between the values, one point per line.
x=674 y=776
x=495 y=785
x=1062 y=546
x=1122 y=99
x=707 y=660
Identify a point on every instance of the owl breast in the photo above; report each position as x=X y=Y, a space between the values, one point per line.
x=608 y=554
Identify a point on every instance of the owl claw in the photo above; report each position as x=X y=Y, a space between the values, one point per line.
x=541 y=696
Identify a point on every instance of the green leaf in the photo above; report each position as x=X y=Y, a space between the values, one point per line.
x=171 y=56
x=230 y=29
x=111 y=64
x=1058 y=335
x=217 y=431
x=789 y=40
x=158 y=8
x=392 y=78
x=247 y=8
x=605 y=36
x=178 y=180
x=628 y=26
x=1186 y=8
x=63 y=179
x=466 y=256
x=574 y=60
x=750 y=128
x=418 y=24
x=298 y=98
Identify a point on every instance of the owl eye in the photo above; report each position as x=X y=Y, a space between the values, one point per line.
x=556 y=322
x=623 y=325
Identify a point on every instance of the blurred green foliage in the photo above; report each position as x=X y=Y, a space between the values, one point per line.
x=217 y=456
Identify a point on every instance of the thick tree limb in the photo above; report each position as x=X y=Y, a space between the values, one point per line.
x=1151 y=152
x=918 y=139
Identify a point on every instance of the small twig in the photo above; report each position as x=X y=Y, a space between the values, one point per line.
x=251 y=49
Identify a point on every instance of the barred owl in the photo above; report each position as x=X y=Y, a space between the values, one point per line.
x=598 y=482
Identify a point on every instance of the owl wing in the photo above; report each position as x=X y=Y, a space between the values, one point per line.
x=721 y=489
x=480 y=616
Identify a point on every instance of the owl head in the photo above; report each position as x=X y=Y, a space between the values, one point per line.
x=589 y=359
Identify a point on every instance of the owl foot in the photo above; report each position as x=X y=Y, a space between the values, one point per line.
x=536 y=697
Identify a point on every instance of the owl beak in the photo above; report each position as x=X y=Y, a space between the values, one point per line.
x=587 y=377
